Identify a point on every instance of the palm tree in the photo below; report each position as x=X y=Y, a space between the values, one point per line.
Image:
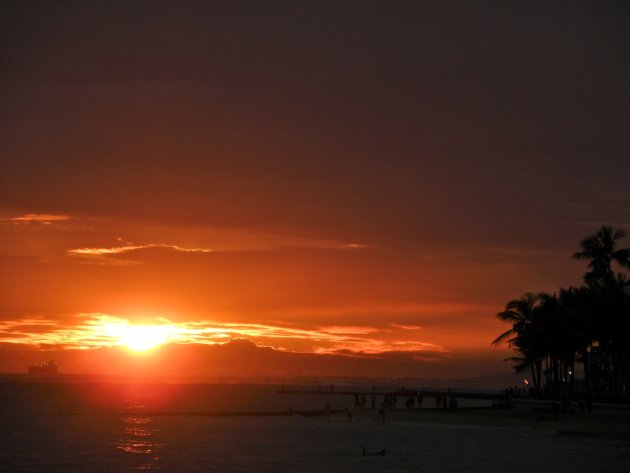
x=523 y=336
x=579 y=308
x=612 y=334
x=608 y=294
x=601 y=250
x=553 y=342
x=590 y=324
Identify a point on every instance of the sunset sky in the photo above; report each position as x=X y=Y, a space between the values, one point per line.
x=300 y=188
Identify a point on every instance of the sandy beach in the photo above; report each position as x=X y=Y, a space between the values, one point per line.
x=515 y=440
x=603 y=422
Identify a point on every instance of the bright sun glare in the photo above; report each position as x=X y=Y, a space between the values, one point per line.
x=140 y=337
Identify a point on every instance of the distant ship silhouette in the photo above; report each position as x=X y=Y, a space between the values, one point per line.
x=50 y=367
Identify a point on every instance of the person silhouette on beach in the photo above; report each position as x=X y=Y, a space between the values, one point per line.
x=382 y=453
x=381 y=413
x=452 y=404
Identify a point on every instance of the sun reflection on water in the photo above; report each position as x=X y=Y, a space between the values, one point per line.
x=138 y=436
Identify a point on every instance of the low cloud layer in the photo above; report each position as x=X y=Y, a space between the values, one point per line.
x=38 y=218
x=90 y=331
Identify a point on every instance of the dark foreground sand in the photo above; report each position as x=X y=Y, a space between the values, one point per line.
x=603 y=422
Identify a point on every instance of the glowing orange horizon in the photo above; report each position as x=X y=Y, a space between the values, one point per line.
x=97 y=330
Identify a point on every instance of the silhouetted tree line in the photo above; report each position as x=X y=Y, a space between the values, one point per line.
x=589 y=325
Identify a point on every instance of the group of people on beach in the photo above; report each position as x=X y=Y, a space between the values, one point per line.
x=414 y=400
x=360 y=401
x=446 y=402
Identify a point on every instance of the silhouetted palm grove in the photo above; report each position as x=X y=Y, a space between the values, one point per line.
x=588 y=326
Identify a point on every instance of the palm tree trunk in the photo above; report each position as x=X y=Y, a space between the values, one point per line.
x=587 y=370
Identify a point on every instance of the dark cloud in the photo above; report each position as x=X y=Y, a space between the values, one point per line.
x=392 y=122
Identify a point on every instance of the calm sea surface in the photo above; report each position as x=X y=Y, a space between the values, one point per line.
x=92 y=426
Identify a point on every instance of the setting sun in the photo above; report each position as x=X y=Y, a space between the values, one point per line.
x=140 y=337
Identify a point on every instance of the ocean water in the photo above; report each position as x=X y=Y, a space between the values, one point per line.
x=105 y=426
